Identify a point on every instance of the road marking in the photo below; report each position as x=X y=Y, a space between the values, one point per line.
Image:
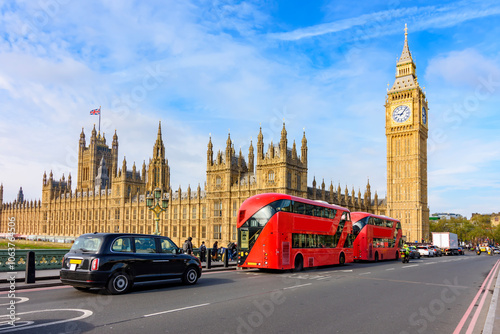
x=176 y=310
x=347 y=271
x=28 y=325
x=461 y=324
x=490 y=318
x=411 y=282
x=479 y=308
x=411 y=265
x=297 y=286
x=21 y=300
x=366 y=273
x=390 y=269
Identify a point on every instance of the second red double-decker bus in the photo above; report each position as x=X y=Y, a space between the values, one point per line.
x=377 y=237
x=277 y=231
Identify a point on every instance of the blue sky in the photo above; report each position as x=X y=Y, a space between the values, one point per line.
x=212 y=67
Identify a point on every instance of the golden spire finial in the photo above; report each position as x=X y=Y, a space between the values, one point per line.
x=406 y=32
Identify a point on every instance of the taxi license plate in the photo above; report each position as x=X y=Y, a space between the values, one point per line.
x=75 y=261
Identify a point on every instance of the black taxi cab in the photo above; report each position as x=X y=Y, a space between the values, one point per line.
x=114 y=261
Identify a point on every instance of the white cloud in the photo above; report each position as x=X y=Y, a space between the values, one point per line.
x=462 y=68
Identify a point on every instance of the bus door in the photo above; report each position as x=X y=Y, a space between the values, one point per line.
x=369 y=241
x=247 y=238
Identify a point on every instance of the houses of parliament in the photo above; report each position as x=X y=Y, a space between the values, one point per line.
x=111 y=197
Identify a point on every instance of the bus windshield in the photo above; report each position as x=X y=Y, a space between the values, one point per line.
x=261 y=217
x=358 y=226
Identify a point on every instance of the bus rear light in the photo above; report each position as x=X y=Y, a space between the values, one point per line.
x=95 y=264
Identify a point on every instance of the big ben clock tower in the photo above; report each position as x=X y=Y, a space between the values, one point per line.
x=406 y=128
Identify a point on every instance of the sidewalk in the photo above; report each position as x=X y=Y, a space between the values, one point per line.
x=50 y=277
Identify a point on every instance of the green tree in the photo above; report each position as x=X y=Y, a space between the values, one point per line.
x=473 y=230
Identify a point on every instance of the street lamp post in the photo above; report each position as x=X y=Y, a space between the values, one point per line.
x=157 y=204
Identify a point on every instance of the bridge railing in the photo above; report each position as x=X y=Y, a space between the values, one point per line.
x=44 y=259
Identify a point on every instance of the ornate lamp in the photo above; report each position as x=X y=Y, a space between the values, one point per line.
x=153 y=204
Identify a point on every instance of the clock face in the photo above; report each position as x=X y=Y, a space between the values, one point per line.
x=424 y=115
x=401 y=113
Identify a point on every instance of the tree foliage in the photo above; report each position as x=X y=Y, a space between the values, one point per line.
x=477 y=229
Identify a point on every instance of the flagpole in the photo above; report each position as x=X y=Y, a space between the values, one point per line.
x=99 y=119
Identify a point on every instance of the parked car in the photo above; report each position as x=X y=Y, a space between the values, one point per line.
x=414 y=253
x=115 y=261
x=425 y=251
x=437 y=250
x=496 y=250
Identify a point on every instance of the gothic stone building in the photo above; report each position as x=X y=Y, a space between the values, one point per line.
x=112 y=199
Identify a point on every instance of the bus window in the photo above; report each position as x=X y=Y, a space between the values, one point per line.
x=309 y=210
x=318 y=211
x=299 y=208
x=358 y=226
x=284 y=205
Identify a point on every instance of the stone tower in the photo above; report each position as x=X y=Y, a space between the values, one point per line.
x=406 y=114
x=158 y=170
x=281 y=169
x=89 y=159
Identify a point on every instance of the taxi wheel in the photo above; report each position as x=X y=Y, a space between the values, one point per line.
x=119 y=283
x=190 y=276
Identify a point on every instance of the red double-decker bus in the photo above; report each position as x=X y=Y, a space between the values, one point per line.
x=377 y=237
x=277 y=231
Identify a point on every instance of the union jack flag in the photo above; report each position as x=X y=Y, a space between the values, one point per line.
x=96 y=111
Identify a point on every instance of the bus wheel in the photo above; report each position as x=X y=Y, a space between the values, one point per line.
x=376 y=257
x=299 y=263
x=342 y=259
x=397 y=256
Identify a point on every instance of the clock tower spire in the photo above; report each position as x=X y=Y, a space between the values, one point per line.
x=406 y=132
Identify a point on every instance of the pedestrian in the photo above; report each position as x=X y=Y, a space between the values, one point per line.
x=185 y=247
x=232 y=251
x=203 y=251
x=189 y=246
x=235 y=250
x=214 y=251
